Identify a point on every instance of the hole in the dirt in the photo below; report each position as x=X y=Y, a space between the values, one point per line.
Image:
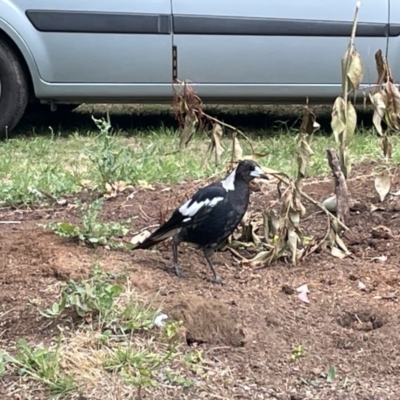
x=361 y=320
x=191 y=341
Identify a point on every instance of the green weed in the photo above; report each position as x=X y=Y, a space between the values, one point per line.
x=91 y=230
x=41 y=364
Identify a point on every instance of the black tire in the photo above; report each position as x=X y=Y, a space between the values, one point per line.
x=14 y=89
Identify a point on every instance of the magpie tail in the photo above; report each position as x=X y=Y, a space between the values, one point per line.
x=161 y=234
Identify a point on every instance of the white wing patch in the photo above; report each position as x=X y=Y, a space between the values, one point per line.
x=229 y=182
x=188 y=210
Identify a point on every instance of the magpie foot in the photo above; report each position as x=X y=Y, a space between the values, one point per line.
x=217 y=280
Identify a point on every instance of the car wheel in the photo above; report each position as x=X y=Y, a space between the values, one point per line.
x=13 y=89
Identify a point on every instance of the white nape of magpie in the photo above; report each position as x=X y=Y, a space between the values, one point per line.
x=210 y=216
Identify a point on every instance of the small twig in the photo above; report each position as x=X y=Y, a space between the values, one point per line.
x=10 y=222
x=145 y=228
x=144 y=214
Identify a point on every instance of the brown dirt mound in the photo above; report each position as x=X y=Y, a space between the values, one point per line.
x=205 y=320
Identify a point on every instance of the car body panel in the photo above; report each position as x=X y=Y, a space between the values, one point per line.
x=394 y=43
x=233 y=52
x=299 y=44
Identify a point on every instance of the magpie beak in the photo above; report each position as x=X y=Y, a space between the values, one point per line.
x=259 y=173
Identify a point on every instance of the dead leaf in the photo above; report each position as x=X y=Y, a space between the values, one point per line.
x=352 y=69
x=379 y=101
x=140 y=237
x=381 y=258
x=382 y=184
x=292 y=242
x=189 y=128
x=261 y=257
x=145 y=185
x=338 y=253
x=236 y=150
x=351 y=123
x=338 y=122
x=382 y=67
x=254 y=156
x=394 y=94
x=216 y=135
x=304 y=155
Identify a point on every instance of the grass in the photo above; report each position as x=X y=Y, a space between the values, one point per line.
x=117 y=346
x=60 y=163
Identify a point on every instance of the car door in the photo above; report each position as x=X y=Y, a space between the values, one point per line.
x=394 y=46
x=108 y=42
x=273 y=48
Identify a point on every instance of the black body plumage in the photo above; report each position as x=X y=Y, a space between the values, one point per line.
x=210 y=216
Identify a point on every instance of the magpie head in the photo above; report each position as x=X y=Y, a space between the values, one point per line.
x=248 y=170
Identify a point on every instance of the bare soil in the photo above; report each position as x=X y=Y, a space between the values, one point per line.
x=250 y=326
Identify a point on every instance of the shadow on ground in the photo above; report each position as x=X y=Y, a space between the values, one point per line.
x=131 y=118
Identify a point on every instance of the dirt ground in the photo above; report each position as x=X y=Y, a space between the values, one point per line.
x=251 y=325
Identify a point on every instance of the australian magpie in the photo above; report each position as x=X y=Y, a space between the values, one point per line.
x=210 y=216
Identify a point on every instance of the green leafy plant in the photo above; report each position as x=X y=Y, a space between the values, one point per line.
x=178 y=380
x=41 y=364
x=331 y=375
x=91 y=230
x=109 y=160
x=95 y=295
x=99 y=296
x=298 y=352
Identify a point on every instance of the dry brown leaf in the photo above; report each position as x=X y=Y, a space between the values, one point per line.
x=382 y=67
x=292 y=242
x=379 y=101
x=216 y=136
x=255 y=156
x=237 y=150
x=386 y=147
x=338 y=122
x=188 y=130
x=261 y=257
x=382 y=184
x=352 y=69
x=338 y=253
x=394 y=95
x=351 y=123
x=140 y=237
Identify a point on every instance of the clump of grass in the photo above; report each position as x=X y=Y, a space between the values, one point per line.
x=42 y=364
x=118 y=347
x=91 y=230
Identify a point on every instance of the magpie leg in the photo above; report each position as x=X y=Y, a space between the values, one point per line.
x=175 y=242
x=208 y=252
